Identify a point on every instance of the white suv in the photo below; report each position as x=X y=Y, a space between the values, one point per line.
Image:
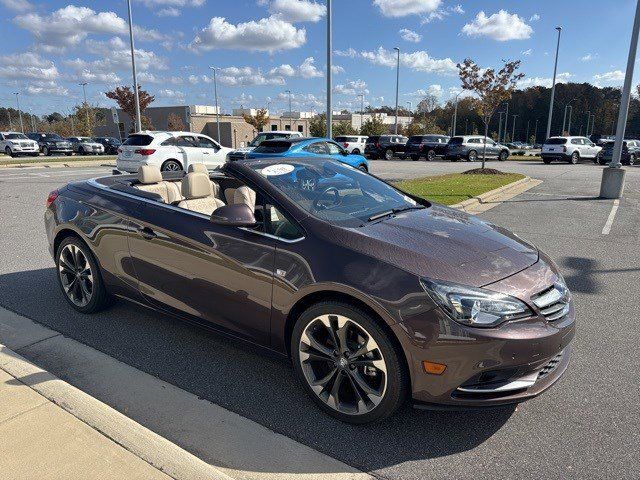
x=352 y=143
x=569 y=149
x=169 y=151
x=16 y=143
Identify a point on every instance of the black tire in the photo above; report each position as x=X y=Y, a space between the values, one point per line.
x=355 y=151
x=171 y=166
x=632 y=160
x=574 y=158
x=388 y=154
x=68 y=154
x=472 y=156
x=503 y=156
x=546 y=161
x=80 y=151
x=46 y=151
x=431 y=155
x=99 y=298
x=363 y=167
x=415 y=157
x=397 y=376
x=8 y=152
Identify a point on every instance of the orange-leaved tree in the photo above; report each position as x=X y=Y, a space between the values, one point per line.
x=126 y=100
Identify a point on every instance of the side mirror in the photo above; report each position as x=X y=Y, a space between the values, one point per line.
x=236 y=215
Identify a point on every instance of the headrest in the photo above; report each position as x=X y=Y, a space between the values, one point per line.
x=149 y=174
x=245 y=195
x=198 y=167
x=196 y=185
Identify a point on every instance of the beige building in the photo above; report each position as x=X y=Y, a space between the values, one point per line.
x=357 y=119
x=234 y=131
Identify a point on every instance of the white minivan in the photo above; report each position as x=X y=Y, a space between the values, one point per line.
x=569 y=149
x=169 y=151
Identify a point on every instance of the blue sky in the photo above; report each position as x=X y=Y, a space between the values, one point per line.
x=265 y=47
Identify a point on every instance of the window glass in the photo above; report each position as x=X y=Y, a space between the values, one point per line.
x=576 y=141
x=333 y=149
x=138 y=140
x=205 y=142
x=169 y=142
x=318 y=148
x=15 y=136
x=272 y=146
x=556 y=141
x=186 y=141
x=300 y=128
x=280 y=225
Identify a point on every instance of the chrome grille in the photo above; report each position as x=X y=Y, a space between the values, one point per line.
x=550 y=366
x=553 y=302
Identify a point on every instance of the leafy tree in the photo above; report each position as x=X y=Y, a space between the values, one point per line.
x=84 y=119
x=373 y=126
x=126 y=100
x=259 y=120
x=414 y=128
x=344 y=128
x=174 y=123
x=427 y=104
x=490 y=87
x=53 y=117
x=318 y=126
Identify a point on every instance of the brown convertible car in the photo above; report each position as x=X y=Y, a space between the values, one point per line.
x=374 y=295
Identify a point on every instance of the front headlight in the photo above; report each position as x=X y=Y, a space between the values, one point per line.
x=475 y=307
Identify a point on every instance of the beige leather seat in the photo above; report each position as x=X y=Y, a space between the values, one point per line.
x=202 y=168
x=150 y=180
x=241 y=195
x=198 y=194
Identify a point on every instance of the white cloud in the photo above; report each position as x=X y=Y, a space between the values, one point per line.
x=307 y=69
x=435 y=90
x=336 y=69
x=614 y=76
x=297 y=10
x=588 y=57
x=46 y=88
x=527 y=52
x=410 y=35
x=267 y=34
x=116 y=55
x=28 y=65
x=442 y=13
x=350 y=52
x=534 y=18
x=168 y=12
x=353 y=87
x=17 y=5
x=173 y=94
x=419 y=61
x=501 y=26
x=246 y=76
x=170 y=8
x=299 y=99
x=543 y=81
x=401 y=8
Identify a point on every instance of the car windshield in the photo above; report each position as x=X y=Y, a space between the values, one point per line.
x=267 y=136
x=16 y=136
x=273 y=147
x=52 y=136
x=336 y=193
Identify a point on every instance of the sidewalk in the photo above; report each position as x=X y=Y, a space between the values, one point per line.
x=38 y=439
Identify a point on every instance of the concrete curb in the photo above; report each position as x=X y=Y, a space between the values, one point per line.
x=80 y=163
x=492 y=198
x=142 y=442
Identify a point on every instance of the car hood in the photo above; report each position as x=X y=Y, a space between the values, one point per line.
x=243 y=149
x=445 y=244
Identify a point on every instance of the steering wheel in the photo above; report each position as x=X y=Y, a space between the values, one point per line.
x=325 y=200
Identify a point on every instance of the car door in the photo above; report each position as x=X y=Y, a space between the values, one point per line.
x=590 y=148
x=188 y=150
x=335 y=151
x=578 y=144
x=212 y=154
x=316 y=148
x=492 y=148
x=214 y=274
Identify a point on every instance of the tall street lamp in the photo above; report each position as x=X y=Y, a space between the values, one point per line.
x=564 y=120
x=588 y=122
x=329 y=73
x=288 y=92
x=361 y=96
x=17 y=94
x=86 y=106
x=397 y=49
x=513 y=128
x=536 y=132
x=215 y=95
x=506 y=123
x=593 y=123
x=553 y=85
x=133 y=68
x=455 y=114
x=499 y=128
x=612 y=184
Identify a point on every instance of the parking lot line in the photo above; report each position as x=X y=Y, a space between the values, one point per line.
x=612 y=216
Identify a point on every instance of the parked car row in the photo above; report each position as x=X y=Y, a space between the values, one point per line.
x=15 y=144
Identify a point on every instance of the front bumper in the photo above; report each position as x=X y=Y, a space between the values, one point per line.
x=24 y=149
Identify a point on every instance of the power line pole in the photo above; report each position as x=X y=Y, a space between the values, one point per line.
x=86 y=106
x=329 y=72
x=553 y=85
x=397 y=49
x=215 y=94
x=17 y=94
x=133 y=68
x=455 y=115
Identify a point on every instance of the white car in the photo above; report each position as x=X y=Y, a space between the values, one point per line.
x=16 y=143
x=569 y=149
x=239 y=153
x=86 y=146
x=352 y=143
x=169 y=151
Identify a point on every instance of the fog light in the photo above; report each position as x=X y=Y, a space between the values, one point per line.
x=433 y=368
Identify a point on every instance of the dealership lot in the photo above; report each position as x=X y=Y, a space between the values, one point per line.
x=591 y=418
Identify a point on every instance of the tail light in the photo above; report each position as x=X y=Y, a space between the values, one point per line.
x=345 y=144
x=145 y=151
x=377 y=145
x=52 y=197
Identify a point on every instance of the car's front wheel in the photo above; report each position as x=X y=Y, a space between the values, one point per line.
x=363 y=167
x=171 y=166
x=431 y=155
x=348 y=364
x=388 y=154
x=46 y=151
x=8 y=152
x=575 y=158
x=472 y=156
x=503 y=156
x=79 y=277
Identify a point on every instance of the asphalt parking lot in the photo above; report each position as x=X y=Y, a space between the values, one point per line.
x=587 y=426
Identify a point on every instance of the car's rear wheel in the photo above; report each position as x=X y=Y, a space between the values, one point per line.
x=414 y=157
x=388 y=154
x=547 y=161
x=503 y=156
x=355 y=151
x=363 y=167
x=80 y=151
x=472 y=156
x=348 y=364
x=46 y=151
x=171 y=166
x=8 y=152
x=79 y=277
x=575 y=158
x=431 y=155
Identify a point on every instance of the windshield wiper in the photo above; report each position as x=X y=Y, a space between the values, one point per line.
x=393 y=211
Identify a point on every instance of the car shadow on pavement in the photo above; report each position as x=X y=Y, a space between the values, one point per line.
x=240 y=378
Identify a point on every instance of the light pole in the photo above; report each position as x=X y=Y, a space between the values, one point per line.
x=73 y=127
x=410 y=106
x=513 y=128
x=466 y=121
x=506 y=123
x=133 y=68
x=9 y=115
x=553 y=85
x=86 y=106
x=397 y=49
x=288 y=92
x=570 y=115
x=455 y=114
x=361 y=96
x=329 y=86
x=17 y=94
x=215 y=95
x=593 y=123
x=526 y=138
x=612 y=184
x=499 y=128
x=536 y=132
x=33 y=123
x=588 y=120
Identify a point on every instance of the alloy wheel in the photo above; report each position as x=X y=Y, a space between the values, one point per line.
x=171 y=166
x=632 y=160
x=431 y=155
x=75 y=275
x=473 y=156
x=388 y=154
x=343 y=364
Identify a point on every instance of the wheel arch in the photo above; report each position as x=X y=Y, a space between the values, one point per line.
x=67 y=232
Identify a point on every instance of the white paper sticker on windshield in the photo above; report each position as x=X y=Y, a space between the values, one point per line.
x=278 y=169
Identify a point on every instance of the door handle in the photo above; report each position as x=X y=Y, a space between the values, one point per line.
x=205 y=153
x=147 y=233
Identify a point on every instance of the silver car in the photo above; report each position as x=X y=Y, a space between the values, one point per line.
x=86 y=146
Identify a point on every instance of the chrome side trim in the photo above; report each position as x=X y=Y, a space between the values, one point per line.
x=517 y=384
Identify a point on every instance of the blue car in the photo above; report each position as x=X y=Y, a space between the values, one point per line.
x=308 y=147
